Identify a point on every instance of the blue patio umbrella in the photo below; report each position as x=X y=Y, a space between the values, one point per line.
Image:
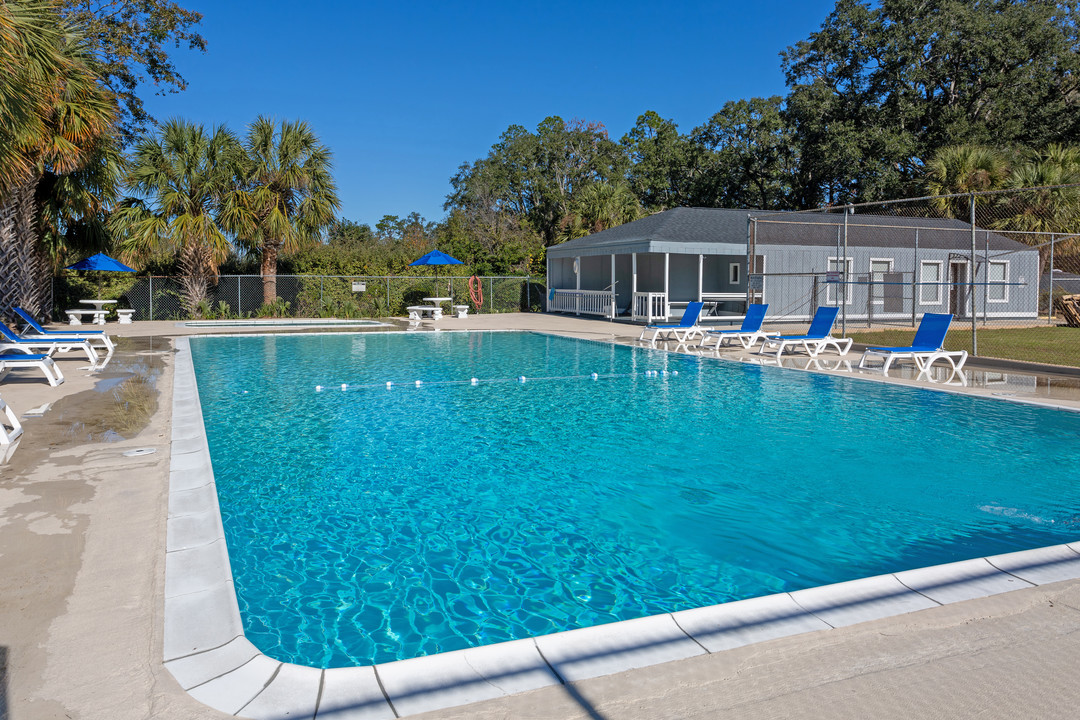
x=436 y=257
x=101 y=261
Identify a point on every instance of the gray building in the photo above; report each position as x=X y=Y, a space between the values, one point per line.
x=876 y=267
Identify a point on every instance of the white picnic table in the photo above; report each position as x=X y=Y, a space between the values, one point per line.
x=416 y=312
x=97 y=314
x=99 y=310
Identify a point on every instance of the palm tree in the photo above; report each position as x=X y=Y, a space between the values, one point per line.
x=288 y=195
x=183 y=174
x=55 y=118
x=600 y=206
x=1047 y=200
x=958 y=170
x=75 y=207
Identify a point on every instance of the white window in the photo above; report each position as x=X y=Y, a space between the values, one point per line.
x=834 y=291
x=878 y=269
x=997 y=272
x=733 y=273
x=930 y=276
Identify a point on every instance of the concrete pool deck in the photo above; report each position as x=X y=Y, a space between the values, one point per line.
x=82 y=554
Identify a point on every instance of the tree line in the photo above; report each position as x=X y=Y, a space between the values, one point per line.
x=885 y=100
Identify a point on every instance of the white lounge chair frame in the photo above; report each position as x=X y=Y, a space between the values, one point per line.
x=812 y=346
x=925 y=349
x=680 y=333
x=30 y=332
x=746 y=339
x=6 y=437
x=49 y=347
x=42 y=362
x=922 y=359
x=755 y=313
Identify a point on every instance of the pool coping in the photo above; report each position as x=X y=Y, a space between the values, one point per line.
x=206 y=651
x=280 y=323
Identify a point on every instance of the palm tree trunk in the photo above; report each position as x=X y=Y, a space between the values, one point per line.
x=268 y=269
x=20 y=253
x=195 y=281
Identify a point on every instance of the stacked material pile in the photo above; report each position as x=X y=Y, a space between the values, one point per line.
x=1069 y=307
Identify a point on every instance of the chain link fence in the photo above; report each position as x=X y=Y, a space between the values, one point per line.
x=1005 y=264
x=315 y=296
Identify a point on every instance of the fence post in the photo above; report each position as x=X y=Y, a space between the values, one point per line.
x=915 y=287
x=870 y=301
x=971 y=279
x=491 y=290
x=1050 y=297
x=986 y=275
x=844 y=266
x=151 y=297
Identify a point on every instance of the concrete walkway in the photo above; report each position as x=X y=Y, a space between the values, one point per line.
x=82 y=533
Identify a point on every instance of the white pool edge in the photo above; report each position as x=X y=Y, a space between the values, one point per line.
x=282 y=323
x=206 y=651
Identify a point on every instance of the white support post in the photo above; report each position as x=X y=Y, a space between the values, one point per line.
x=547 y=264
x=577 y=286
x=633 y=273
x=613 y=285
x=667 y=280
x=700 y=276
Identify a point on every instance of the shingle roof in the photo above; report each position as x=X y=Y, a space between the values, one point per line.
x=890 y=231
x=678 y=226
x=723 y=231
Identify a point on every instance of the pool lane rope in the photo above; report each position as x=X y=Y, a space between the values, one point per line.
x=520 y=379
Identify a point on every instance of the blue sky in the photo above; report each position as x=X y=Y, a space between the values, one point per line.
x=404 y=92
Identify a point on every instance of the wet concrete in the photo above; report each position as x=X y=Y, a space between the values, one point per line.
x=82 y=532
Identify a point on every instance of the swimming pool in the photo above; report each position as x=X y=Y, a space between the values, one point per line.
x=369 y=524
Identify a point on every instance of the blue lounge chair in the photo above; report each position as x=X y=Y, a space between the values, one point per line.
x=55 y=343
x=44 y=363
x=9 y=436
x=926 y=348
x=816 y=339
x=747 y=335
x=34 y=330
x=686 y=329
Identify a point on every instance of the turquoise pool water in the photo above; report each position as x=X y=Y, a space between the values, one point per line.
x=372 y=523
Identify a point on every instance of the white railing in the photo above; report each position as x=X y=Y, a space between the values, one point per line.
x=649 y=306
x=583 y=302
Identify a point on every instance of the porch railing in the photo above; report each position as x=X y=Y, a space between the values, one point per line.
x=649 y=306
x=583 y=302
